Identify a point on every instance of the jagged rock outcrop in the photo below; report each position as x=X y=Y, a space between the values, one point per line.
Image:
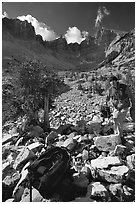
x=19 y=29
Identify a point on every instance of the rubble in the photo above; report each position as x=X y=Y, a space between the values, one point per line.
x=101 y=167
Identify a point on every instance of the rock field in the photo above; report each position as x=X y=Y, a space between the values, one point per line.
x=103 y=165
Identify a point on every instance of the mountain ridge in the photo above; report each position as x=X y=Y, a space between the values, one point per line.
x=19 y=38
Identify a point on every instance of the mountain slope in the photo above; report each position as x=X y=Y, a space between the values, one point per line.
x=20 y=41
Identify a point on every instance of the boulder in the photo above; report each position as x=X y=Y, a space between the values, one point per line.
x=128 y=194
x=120 y=151
x=116 y=192
x=51 y=137
x=107 y=143
x=10 y=200
x=131 y=161
x=36 y=131
x=20 y=187
x=94 y=127
x=70 y=144
x=105 y=162
x=36 y=146
x=117 y=174
x=24 y=156
x=65 y=129
x=9 y=138
x=81 y=180
x=10 y=152
x=121 y=193
x=8 y=184
x=93 y=152
x=98 y=192
x=36 y=196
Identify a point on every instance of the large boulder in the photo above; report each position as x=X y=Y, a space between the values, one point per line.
x=107 y=143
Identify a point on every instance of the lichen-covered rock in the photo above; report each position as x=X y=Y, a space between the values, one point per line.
x=107 y=143
x=97 y=191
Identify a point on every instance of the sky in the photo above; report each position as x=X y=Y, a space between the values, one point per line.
x=73 y=20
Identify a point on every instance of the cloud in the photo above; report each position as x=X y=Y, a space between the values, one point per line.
x=75 y=35
x=5 y=15
x=101 y=13
x=40 y=28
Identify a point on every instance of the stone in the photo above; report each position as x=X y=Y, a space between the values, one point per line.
x=85 y=155
x=24 y=156
x=129 y=127
x=128 y=194
x=70 y=144
x=104 y=162
x=97 y=191
x=36 y=146
x=93 y=127
x=120 y=151
x=51 y=137
x=36 y=131
x=86 y=171
x=131 y=161
x=6 y=166
x=116 y=192
x=81 y=180
x=36 y=196
x=10 y=200
x=117 y=174
x=20 y=187
x=93 y=152
x=9 y=138
x=65 y=129
x=107 y=143
x=8 y=185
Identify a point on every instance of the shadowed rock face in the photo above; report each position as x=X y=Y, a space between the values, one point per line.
x=24 y=30
x=19 y=29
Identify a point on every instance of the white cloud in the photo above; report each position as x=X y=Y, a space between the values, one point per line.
x=75 y=35
x=40 y=28
x=101 y=13
x=5 y=15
